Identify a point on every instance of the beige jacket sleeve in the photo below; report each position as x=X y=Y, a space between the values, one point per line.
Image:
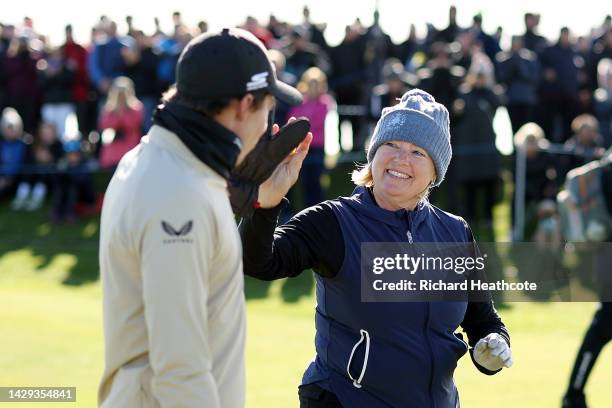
x=175 y=273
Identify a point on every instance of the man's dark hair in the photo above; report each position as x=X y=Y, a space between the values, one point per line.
x=210 y=107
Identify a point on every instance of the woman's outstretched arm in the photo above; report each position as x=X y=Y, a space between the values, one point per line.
x=311 y=239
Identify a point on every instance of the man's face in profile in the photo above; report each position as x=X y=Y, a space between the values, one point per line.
x=253 y=125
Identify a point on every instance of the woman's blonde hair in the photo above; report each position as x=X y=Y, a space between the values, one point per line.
x=121 y=85
x=362 y=175
x=313 y=74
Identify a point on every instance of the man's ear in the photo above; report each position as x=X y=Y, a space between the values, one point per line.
x=244 y=105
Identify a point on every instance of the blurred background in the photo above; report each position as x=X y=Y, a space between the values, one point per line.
x=528 y=86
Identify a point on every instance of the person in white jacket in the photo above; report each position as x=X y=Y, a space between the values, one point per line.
x=170 y=254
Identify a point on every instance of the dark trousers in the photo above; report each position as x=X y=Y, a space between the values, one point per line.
x=356 y=125
x=8 y=185
x=313 y=396
x=472 y=189
x=596 y=337
x=351 y=96
x=519 y=115
x=310 y=180
x=561 y=108
x=87 y=116
x=30 y=114
x=311 y=173
x=69 y=189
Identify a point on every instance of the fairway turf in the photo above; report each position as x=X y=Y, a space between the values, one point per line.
x=51 y=334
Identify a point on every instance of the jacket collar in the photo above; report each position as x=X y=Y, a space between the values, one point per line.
x=208 y=140
x=362 y=200
x=170 y=142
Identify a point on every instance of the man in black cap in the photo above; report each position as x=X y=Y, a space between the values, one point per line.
x=170 y=254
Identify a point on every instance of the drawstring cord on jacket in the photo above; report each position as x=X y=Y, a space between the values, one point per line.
x=364 y=335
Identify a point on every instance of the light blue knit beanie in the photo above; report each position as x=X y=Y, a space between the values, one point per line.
x=417 y=119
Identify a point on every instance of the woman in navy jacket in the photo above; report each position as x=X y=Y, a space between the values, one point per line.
x=384 y=354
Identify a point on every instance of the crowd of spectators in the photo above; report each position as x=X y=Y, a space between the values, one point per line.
x=555 y=91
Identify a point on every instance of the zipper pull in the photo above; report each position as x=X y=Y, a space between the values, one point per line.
x=409 y=234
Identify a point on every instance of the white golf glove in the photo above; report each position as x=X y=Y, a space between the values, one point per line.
x=492 y=352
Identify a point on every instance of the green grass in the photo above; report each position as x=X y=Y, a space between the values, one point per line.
x=51 y=328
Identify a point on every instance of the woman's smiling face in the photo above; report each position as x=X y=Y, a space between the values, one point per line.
x=401 y=171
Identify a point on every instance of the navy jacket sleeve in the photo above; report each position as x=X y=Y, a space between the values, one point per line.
x=311 y=239
x=481 y=318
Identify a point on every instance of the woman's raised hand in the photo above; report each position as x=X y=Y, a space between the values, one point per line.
x=272 y=191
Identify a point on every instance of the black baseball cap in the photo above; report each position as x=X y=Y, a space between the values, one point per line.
x=229 y=64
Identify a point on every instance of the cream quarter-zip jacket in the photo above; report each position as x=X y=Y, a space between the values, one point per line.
x=171 y=271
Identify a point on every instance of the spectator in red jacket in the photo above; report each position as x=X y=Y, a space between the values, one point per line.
x=121 y=121
x=76 y=56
